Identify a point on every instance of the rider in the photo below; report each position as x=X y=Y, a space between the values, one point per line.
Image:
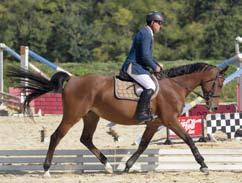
x=139 y=61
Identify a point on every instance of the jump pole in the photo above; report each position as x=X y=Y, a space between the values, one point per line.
x=23 y=58
x=42 y=60
x=18 y=57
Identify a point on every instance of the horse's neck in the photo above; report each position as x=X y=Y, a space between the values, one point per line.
x=189 y=82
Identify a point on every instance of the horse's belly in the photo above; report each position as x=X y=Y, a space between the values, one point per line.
x=116 y=116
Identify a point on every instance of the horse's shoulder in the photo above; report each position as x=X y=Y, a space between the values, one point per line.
x=165 y=81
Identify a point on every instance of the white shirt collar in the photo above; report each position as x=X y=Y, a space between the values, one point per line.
x=152 y=34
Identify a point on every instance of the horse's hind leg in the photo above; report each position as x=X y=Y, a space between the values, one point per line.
x=90 y=123
x=145 y=140
x=71 y=115
x=59 y=133
x=179 y=130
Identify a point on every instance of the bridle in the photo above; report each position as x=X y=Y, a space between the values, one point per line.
x=210 y=94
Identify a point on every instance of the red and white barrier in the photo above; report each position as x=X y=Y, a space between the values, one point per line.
x=193 y=125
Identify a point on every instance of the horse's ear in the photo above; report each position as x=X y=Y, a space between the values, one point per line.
x=223 y=70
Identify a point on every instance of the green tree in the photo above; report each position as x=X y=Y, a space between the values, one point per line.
x=222 y=21
x=24 y=24
x=71 y=37
x=112 y=31
x=102 y=30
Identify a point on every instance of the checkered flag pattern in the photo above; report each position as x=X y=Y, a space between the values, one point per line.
x=226 y=122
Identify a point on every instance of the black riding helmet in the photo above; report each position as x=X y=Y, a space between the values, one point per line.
x=154 y=16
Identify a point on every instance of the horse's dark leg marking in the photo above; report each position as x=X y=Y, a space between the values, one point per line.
x=90 y=124
x=145 y=140
x=59 y=133
x=179 y=130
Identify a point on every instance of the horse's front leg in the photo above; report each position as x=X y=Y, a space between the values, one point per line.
x=180 y=131
x=145 y=140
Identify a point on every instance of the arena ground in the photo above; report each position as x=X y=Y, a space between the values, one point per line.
x=21 y=133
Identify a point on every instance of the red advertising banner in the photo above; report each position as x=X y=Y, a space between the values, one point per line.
x=193 y=125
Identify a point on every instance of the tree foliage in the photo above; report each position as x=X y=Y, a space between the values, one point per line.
x=102 y=30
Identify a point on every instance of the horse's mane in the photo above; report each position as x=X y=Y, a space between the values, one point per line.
x=186 y=69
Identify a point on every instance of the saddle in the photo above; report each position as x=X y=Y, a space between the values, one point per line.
x=125 y=88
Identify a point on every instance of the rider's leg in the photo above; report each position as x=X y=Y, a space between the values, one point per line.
x=143 y=107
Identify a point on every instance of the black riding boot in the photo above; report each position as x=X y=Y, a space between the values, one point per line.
x=143 y=108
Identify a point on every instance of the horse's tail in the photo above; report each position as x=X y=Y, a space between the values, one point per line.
x=35 y=84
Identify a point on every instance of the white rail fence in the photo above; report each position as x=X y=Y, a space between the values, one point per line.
x=79 y=161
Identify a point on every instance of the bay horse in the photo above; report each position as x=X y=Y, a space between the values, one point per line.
x=92 y=96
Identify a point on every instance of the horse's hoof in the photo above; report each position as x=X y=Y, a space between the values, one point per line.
x=204 y=170
x=47 y=174
x=126 y=170
x=108 y=168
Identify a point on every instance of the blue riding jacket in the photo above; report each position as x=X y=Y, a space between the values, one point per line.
x=140 y=54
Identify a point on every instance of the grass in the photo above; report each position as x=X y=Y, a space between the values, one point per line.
x=111 y=68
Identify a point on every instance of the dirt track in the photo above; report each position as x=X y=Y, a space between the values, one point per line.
x=151 y=177
x=20 y=133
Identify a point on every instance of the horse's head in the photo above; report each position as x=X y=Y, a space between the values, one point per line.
x=212 y=85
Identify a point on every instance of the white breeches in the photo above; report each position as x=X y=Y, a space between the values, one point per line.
x=144 y=80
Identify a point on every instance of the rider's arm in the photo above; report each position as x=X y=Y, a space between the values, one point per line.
x=146 y=52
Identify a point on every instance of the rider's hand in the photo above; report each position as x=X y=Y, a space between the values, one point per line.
x=158 y=68
x=162 y=66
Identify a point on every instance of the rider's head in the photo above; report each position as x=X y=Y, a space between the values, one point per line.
x=155 y=20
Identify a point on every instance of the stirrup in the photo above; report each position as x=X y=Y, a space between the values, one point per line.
x=152 y=117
